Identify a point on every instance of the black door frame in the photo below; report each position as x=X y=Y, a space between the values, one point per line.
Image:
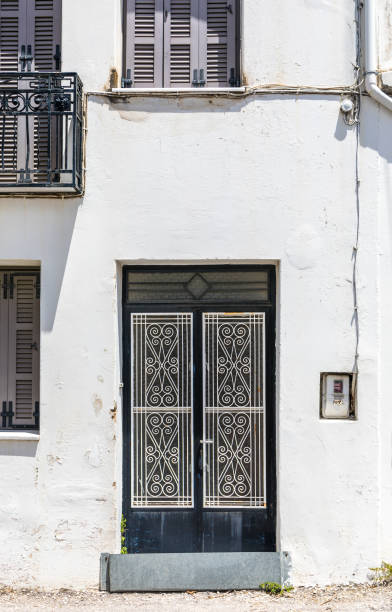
x=197 y=306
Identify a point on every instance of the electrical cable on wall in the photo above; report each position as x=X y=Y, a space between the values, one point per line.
x=355 y=319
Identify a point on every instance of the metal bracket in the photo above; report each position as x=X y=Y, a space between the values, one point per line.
x=7 y=414
x=127 y=81
x=36 y=414
x=57 y=57
x=62 y=102
x=11 y=287
x=198 y=78
x=26 y=57
x=5 y=287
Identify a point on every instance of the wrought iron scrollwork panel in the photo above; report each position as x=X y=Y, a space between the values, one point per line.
x=162 y=410
x=234 y=461
x=40 y=131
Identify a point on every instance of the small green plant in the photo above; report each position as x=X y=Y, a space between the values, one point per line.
x=274 y=588
x=383 y=574
x=124 y=549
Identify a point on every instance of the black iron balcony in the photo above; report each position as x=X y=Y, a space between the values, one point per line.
x=41 y=132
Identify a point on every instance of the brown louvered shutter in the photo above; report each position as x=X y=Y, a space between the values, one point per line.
x=181 y=42
x=12 y=33
x=144 y=42
x=31 y=27
x=12 y=37
x=217 y=41
x=44 y=33
x=23 y=348
x=30 y=22
x=3 y=343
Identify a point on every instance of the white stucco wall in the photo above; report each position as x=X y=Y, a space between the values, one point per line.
x=184 y=180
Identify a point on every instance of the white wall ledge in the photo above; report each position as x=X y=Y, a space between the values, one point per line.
x=19 y=435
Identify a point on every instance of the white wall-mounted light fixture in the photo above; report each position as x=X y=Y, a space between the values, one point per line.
x=337 y=398
x=347 y=106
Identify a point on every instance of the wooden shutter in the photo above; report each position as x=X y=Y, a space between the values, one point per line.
x=12 y=33
x=28 y=25
x=217 y=41
x=3 y=342
x=30 y=22
x=44 y=34
x=23 y=348
x=12 y=36
x=144 y=42
x=181 y=42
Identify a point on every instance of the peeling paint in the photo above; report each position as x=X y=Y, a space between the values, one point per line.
x=51 y=459
x=134 y=116
x=94 y=456
x=97 y=403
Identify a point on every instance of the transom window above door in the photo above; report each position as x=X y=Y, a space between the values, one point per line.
x=181 y=43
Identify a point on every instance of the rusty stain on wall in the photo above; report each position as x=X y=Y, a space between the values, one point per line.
x=97 y=403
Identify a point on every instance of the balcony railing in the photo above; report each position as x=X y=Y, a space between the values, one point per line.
x=41 y=132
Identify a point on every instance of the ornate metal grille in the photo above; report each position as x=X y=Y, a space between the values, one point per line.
x=41 y=131
x=162 y=445
x=234 y=446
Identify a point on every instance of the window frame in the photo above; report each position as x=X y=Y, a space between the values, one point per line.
x=7 y=426
x=127 y=78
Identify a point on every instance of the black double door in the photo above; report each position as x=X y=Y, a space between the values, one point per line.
x=199 y=426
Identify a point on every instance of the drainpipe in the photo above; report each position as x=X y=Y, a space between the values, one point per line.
x=371 y=57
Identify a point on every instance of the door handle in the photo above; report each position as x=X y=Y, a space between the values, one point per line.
x=200 y=465
x=200 y=459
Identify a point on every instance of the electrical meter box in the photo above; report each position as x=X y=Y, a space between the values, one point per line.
x=336 y=396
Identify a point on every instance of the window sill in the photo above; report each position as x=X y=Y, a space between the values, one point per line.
x=19 y=435
x=171 y=91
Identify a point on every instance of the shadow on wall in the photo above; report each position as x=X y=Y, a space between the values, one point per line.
x=376 y=129
x=39 y=230
x=342 y=128
x=136 y=108
x=376 y=134
x=18 y=448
